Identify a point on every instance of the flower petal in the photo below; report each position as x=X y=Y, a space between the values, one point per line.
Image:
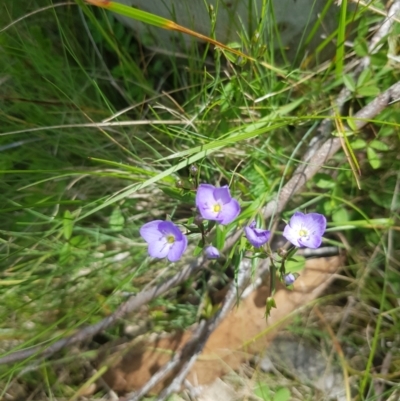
x=169 y=228
x=222 y=194
x=292 y=235
x=229 y=212
x=205 y=201
x=315 y=223
x=297 y=220
x=205 y=194
x=151 y=232
x=177 y=249
x=252 y=224
x=256 y=236
x=160 y=248
x=313 y=241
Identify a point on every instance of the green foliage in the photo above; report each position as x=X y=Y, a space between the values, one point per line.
x=263 y=391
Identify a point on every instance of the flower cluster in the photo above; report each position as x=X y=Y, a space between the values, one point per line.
x=165 y=239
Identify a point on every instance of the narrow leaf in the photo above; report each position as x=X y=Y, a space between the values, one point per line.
x=117 y=220
x=68 y=224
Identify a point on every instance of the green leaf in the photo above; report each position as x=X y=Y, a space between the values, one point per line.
x=198 y=249
x=364 y=77
x=283 y=394
x=378 y=145
x=361 y=47
x=80 y=241
x=296 y=264
x=324 y=181
x=328 y=207
x=65 y=254
x=358 y=144
x=68 y=224
x=10 y=282
x=373 y=158
x=262 y=391
x=340 y=215
x=378 y=59
x=370 y=90
x=352 y=124
x=117 y=220
x=348 y=80
x=386 y=131
x=341 y=38
x=221 y=234
x=382 y=199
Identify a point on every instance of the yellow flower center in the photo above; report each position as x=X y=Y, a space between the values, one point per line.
x=170 y=239
x=217 y=208
x=303 y=233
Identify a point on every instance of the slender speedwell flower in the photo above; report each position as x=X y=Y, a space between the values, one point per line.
x=305 y=230
x=256 y=236
x=165 y=239
x=216 y=203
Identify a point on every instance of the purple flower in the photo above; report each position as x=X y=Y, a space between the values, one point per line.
x=289 y=278
x=164 y=239
x=305 y=230
x=211 y=252
x=216 y=204
x=256 y=236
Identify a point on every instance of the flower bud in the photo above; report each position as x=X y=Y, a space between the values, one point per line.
x=282 y=252
x=289 y=278
x=193 y=169
x=211 y=252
